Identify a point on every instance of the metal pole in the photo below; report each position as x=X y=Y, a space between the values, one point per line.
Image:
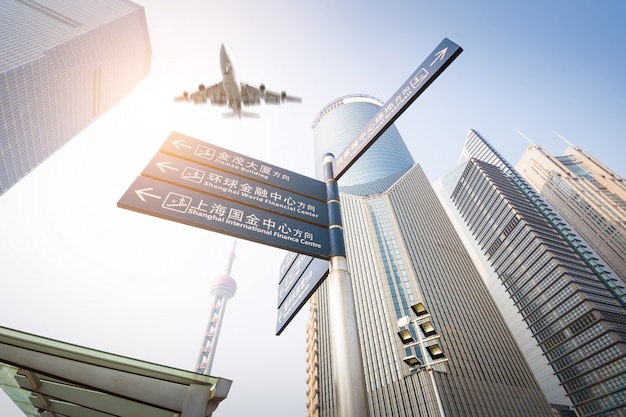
x=347 y=359
x=432 y=378
x=428 y=367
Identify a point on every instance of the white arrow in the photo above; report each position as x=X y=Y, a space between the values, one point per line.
x=141 y=193
x=163 y=165
x=439 y=55
x=181 y=143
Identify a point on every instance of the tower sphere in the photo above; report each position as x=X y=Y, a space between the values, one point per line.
x=224 y=283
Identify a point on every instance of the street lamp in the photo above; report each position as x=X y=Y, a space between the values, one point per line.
x=427 y=338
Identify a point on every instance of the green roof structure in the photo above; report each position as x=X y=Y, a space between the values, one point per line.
x=45 y=377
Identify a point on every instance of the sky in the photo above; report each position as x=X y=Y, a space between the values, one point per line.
x=76 y=268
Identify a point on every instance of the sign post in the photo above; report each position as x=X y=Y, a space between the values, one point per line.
x=347 y=358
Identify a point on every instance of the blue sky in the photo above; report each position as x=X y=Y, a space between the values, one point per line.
x=90 y=273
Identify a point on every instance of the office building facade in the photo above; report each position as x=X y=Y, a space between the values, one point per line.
x=586 y=193
x=62 y=65
x=571 y=305
x=402 y=251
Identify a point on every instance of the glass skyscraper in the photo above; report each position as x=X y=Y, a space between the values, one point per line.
x=402 y=250
x=569 y=304
x=62 y=65
x=332 y=134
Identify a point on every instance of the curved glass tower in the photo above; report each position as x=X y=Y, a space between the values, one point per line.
x=338 y=124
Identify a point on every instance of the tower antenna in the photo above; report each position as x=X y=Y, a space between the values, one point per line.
x=525 y=137
x=565 y=140
x=231 y=258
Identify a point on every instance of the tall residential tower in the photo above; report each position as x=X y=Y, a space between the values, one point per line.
x=555 y=290
x=402 y=251
x=62 y=65
x=587 y=194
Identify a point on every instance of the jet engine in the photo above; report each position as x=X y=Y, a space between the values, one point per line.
x=283 y=96
x=262 y=88
x=201 y=87
x=184 y=97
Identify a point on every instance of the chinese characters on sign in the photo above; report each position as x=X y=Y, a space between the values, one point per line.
x=203 y=153
x=209 y=212
x=426 y=73
x=203 y=185
x=230 y=186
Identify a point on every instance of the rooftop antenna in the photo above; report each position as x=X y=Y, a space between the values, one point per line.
x=231 y=258
x=565 y=140
x=525 y=137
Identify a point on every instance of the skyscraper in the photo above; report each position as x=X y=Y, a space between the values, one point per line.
x=223 y=289
x=402 y=251
x=333 y=134
x=63 y=64
x=586 y=194
x=572 y=306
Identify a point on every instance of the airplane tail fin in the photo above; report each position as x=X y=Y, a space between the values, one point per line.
x=243 y=114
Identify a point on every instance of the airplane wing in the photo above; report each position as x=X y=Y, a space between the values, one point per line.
x=214 y=94
x=251 y=96
x=272 y=97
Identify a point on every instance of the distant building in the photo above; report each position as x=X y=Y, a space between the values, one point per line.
x=401 y=251
x=62 y=65
x=223 y=289
x=552 y=289
x=586 y=194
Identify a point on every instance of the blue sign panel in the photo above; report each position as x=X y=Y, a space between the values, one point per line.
x=308 y=282
x=291 y=277
x=214 y=156
x=425 y=74
x=231 y=186
x=171 y=202
x=286 y=264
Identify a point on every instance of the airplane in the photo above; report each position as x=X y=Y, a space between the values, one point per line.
x=233 y=93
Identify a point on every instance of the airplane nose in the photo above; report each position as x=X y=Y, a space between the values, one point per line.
x=226 y=54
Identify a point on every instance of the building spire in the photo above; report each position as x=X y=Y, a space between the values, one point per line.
x=525 y=137
x=231 y=258
x=565 y=140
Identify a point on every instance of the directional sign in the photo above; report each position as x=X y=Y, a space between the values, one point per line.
x=207 y=154
x=287 y=282
x=425 y=74
x=168 y=201
x=304 y=287
x=231 y=186
x=286 y=264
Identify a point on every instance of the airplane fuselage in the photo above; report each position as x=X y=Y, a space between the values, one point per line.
x=231 y=92
x=232 y=87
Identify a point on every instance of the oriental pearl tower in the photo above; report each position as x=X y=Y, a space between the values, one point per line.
x=223 y=289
